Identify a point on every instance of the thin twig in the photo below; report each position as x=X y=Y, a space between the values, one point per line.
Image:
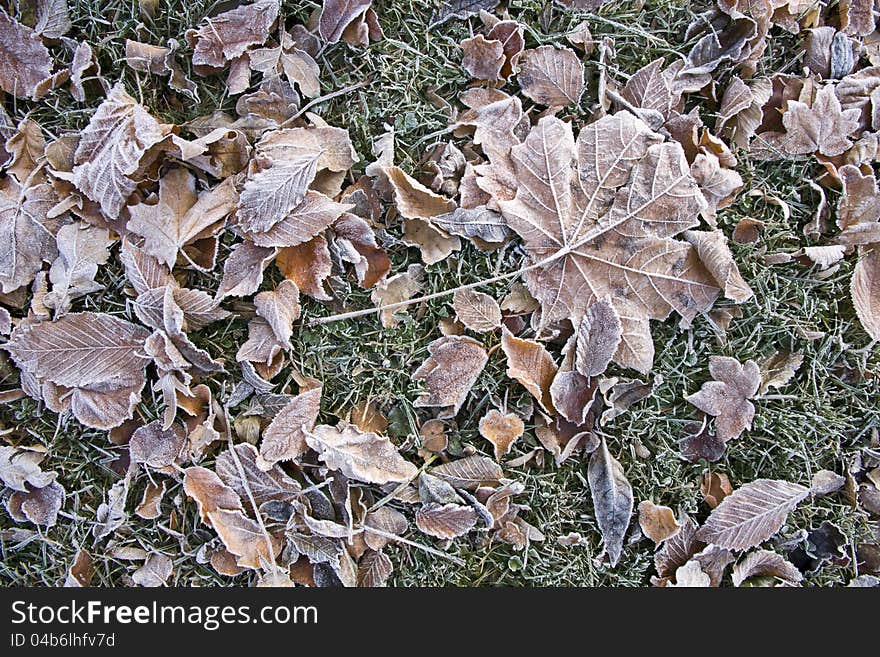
x=320 y=99
x=405 y=541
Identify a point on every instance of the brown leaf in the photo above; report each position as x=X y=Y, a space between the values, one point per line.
x=280 y=308
x=478 y=224
x=612 y=499
x=243 y=270
x=461 y=9
x=414 y=200
x=739 y=114
x=143 y=271
x=357 y=244
x=26 y=233
x=823 y=127
x=778 y=369
x=712 y=248
x=657 y=522
x=865 y=291
x=433 y=244
x=25 y=62
x=397 y=288
x=271 y=484
x=825 y=482
x=476 y=310
x=222 y=38
x=551 y=76
x=482 y=58
x=502 y=430
x=366 y=457
x=470 y=472
x=181 y=215
x=374 y=569
x=110 y=150
x=445 y=520
x=715 y=486
x=157 y=60
x=39 y=506
x=691 y=575
x=532 y=365
x=449 y=373
x=367 y=416
x=149 y=506
x=336 y=15
x=308 y=265
x=598 y=336
x=288 y=58
x=315 y=213
x=727 y=398
x=600 y=214
x=678 y=549
x=80 y=572
x=751 y=514
x=764 y=563
x=285 y=437
x=81 y=249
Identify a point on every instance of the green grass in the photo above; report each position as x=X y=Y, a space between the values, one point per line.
x=823 y=419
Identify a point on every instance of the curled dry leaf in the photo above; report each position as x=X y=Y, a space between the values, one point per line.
x=532 y=365
x=865 y=291
x=715 y=486
x=280 y=308
x=357 y=243
x=364 y=456
x=39 y=506
x=502 y=430
x=727 y=398
x=285 y=437
x=751 y=514
x=449 y=373
x=446 y=520
x=337 y=15
x=778 y=369
x=476 y=310
x=612 y=499
x=154 y=572
x=764 y=563
x=551 y=76
x=396 y=289
x=657 y=522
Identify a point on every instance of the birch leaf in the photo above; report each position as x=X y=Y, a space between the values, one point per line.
x=476 y=310
x=551 y=76
x=449 y=373
x=751 y=514
x=360 y=455
x=612 y=499
x=470 y=472
x=110 y=150
x=285 y=437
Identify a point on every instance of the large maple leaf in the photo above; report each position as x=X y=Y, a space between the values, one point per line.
x=598 y=215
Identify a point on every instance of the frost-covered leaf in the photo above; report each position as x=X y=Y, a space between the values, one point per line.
x=751 y=514
x=22 y=466
x=266 y=485
x=597 y=339
x=612 y=499
x=532 y=365
x=476 y=310
x=551 y=76
x=449 y=373
x=446 y=520
x=823 y=127
x=470 y=472
x=154 y=572
x=81 y=249
x=482 y=58
x=220 y=39
x=337 y=15
x=657 y=522
x=157 y=447
x=280 y=307
x=501 y=429
x=865 y=291
x=24 y=60
x=360 y=455
x=727 y=397
x=110 y=150
x=764 y=563
x=243 y=270
x=285 y=437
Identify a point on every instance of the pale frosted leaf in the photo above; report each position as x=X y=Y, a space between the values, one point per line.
x=81 y=249
x=336 y=15
x=243 y=270
x=142 y=270
x=678 y=549
x=657 y=522
x=715 y=253
x=157 y=447
x=24 y=60
x=413 y=199
x=302 y=223
x=551 y=76
x=80 y=349
x=482 y=58
x=20 y=466
x=110 y=150
x=445 y=520
x=272 y=484
x=778 y=369
x=865 y=291
x=476 y=310
x=474 y=223
x=39 y=506
x=222 y=38
x=764 y=563
x=280 y=307
x=357 y=243
x=470 y=472
x=612 y=499
x=727 y=397
x=501 y=429
x=395 y=289
x=598 y=336
x=690 y=575
x=449 y=373
x=198 y=308
x=285 y=437
x=751 y=514
x=374 y=569
x=450 y=9
x=155 y=571
x=360 y=455
x=823 y=127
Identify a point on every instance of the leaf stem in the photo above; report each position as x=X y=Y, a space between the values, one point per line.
x=320 y=99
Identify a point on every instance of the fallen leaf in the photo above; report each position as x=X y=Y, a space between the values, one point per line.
x=81 y=571
x=501 y=429
x=751 y=514
x=612 y=500
x=243 y=270
x=110 y=150
x=357 y=244
x=823 y=127
x=598 y=336
x=470 y=472
x=657 y=522
x=337 y=15
x=445 y=520
x=698 y=443
x=221 y=38
x=285 y=437
x=289 y=59
x=39 y=506
x=551 y=76
x=450 y=371
x=679 y=548
x=280 y=308
x=778 y=369
x=149 y=506
x=265 y=484
x=308 y=265
x=714 y=252
x=154 y=572
x=182 y=215
x=532 y=365
x=825 y=482
x=727 y=397
x=25 y=62
x=374 y=569
x=865 y=291
x=366 y=457
x=690 y=575
x=714 y=487
x=482 y=58
x=764 y=563
x=81 y=249
x=479 y=223
x=157 y=447
x=461 y=9
x=477 y=311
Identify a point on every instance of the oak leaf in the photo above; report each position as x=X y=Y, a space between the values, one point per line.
x=727 y=397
